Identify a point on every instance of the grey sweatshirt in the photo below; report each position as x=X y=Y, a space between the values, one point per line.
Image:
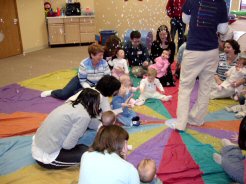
x=62 y=128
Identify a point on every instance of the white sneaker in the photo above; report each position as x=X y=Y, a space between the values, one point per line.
x=46 y=93
x=196 y=124
x=167 y=98
x=171 y=123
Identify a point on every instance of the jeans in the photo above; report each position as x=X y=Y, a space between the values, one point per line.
x=177 y=24
x=69 y=90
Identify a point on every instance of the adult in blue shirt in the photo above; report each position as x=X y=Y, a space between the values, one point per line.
x=91 y=70
x=206 y=18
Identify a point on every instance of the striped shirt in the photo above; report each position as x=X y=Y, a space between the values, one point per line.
x=90 y=75
x=223 y=66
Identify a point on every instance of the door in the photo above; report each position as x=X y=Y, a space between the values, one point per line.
x=10 y=40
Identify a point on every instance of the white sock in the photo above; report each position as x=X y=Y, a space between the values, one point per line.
x=226 y=142
x=46 y=93
x=166 y=98
x=217 y=158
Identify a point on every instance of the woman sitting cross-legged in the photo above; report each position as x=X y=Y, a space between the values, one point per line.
x=227 y=61
x=55 y=145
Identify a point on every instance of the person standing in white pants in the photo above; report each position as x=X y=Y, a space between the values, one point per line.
x=205 y=19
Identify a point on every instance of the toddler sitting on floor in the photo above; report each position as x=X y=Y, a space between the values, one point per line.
x=148 y=88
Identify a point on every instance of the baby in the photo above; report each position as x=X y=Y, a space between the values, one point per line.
x=161 y=64
x=147 y=170
x=125 y=80
x=108 y=118
x=124 y=100
x=235 y=73
x=119 y=64
x=148 y=88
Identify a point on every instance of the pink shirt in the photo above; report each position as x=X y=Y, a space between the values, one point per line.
x=160 y=66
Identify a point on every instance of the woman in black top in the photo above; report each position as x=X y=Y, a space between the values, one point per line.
x=163 y=42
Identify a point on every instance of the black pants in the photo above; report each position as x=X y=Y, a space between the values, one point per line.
x=167 y=78
x=177 y=25
x=66 y=158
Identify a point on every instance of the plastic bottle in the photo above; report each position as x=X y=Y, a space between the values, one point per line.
x=58 y=12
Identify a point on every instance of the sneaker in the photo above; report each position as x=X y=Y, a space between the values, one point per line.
x=136 y=123
x=46 y=93
x=196 y=124
x=171 y=123
x=135 y=118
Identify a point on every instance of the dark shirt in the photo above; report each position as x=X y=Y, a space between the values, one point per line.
x=136 y=56
x=205 y=17
x=156 y=50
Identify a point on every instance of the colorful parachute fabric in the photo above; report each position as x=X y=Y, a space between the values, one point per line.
x=180 y=157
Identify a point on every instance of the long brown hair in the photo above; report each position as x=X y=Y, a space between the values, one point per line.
x=160 y=29
x=111 y=139
x=90 y=99
x=111 y=44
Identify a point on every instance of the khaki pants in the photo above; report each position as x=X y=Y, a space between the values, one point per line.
x=204 y=65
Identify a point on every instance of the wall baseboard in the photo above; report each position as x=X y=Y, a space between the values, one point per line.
x=35 y=49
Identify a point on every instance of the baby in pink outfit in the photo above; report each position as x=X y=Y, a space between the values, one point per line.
x=161 y=64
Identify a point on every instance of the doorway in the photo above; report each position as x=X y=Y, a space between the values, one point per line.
x=10 y=39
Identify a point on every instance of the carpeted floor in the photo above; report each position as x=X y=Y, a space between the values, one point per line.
x=23 y=67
